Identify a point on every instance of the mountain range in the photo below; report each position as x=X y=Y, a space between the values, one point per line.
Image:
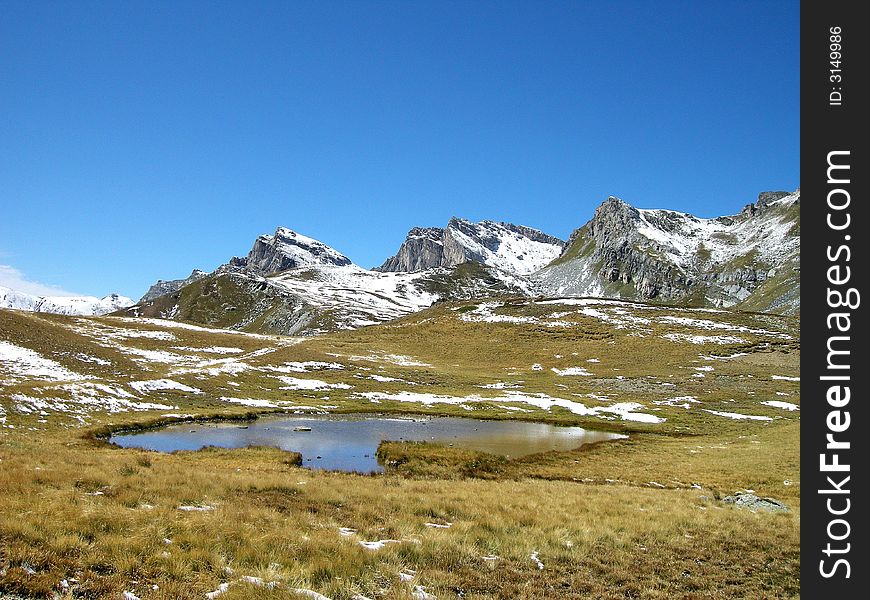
x=289 y=283
x=63 y=305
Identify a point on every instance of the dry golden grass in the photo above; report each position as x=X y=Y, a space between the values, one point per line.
x=106 y=520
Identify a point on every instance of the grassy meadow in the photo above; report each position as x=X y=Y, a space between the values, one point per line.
x=641 y=517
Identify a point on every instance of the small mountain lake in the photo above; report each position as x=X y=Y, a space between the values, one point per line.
x=349 y=442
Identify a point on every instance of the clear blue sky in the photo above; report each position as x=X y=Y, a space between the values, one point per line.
x=141 y=139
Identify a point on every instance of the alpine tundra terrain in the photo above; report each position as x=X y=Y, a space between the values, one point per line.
x=694 y=357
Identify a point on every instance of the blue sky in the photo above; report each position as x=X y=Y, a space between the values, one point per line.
x=139 y=140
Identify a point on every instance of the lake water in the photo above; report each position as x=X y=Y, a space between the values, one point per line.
x=349 y=442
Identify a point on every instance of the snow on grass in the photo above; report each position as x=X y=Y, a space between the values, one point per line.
x=210 y=349
x=571 y=371
x=400 y=360
x=439 y=525
x=179 y=325
x=377 y=545
x=306 y=367
x=707 y=324
x=27 y=364
x=681 y=401
x=781 y=404
x=250 y=402
x=500 y=385
x=196 y=507
x=214 y=367
x=625 y=410
x=703 y=339
x=785 y=378
x=123 y=333
x=155 y=356
x=92 y=359
x=420 y=593
x=91 y=389
x=729 y=357
x=297 y=383
x=483 y=313
x=309 y=594
x=222 y=589
x=84 y=399
x=407 y=575
x=536 y=560
x=162 y=384
x=738 y=416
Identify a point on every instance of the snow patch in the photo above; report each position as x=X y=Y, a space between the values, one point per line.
x=25 y=363
x=781 y=404
x=162 y=384
x=738 y=416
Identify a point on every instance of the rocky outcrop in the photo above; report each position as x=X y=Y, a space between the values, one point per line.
x=513 y=248
x=162 y=287
x=754 y=503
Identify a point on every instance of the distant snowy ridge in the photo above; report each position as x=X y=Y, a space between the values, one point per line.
x=63 y=305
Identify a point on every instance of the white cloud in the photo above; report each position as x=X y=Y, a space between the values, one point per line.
x=14 y=279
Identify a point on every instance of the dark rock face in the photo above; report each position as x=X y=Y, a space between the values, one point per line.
x=161 y=288
x=422 y=249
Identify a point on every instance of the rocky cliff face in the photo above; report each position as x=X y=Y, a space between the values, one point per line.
x=512 y=248
x=676 y=257
x=162 y=287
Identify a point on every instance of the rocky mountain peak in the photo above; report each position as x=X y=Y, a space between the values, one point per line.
x=613 y=217
x=513 y=248
x=287 y=249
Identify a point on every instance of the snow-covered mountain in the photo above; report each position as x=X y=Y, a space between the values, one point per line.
x=285 y=250
x=292 y=284
x=63 y=305
x=511 y=248
x=677 y=257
